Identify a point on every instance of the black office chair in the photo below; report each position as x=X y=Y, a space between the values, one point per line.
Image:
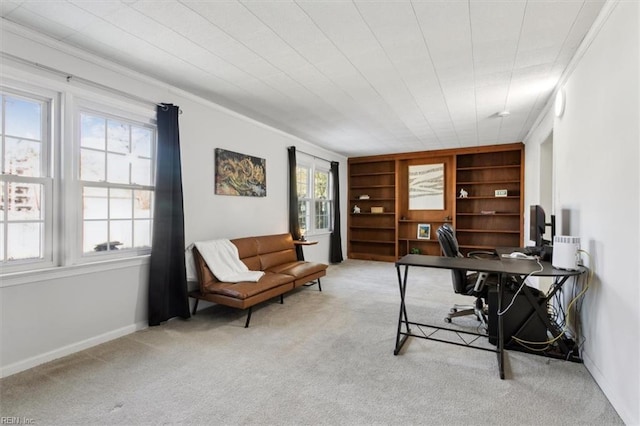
x=464 y=282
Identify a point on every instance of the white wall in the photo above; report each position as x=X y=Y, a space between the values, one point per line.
x=597 y=187
x=50 y=314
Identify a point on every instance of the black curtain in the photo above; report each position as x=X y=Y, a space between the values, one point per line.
x=168 y=296
x=294 y=222
x=335 y=243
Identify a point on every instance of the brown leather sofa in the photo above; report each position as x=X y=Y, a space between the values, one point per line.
x=273 y=254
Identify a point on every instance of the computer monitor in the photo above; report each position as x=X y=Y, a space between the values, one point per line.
x=538 y=224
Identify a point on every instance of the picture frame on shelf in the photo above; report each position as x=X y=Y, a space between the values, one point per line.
x=424 y=231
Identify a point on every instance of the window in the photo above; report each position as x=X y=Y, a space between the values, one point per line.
x=314 y=196
x=77 y=194
x=25 y=206
x=116 y=179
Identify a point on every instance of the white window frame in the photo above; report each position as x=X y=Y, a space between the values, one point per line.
x=314 y=165
x=62 y=245
x=119 y=113
x=49 y=101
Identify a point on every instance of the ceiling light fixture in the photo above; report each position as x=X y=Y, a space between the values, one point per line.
x=503 y=114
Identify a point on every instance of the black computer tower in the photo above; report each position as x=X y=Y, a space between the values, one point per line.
x=513 y=319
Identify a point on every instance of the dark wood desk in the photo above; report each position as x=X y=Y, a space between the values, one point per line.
x=503 y=267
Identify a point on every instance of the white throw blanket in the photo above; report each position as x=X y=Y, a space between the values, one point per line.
x=221 y=256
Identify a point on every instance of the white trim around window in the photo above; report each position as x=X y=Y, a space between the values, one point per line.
x=315 y=195
x=59 y=186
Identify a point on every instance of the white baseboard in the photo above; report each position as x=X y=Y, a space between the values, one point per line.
x=612 y=393
x=17 y=367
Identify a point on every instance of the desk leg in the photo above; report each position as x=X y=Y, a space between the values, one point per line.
x=501 y=281
x=402 y=316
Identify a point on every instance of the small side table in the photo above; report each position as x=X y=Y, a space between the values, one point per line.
x=301 y=243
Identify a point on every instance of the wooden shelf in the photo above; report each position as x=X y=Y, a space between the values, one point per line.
x=507 y=166
x=387 y=228
x=372 y=241
x=490 y=231
x=493 y=182
x=373 y=199
x=488 y=215
x=484 y=172
x=373 y=174
x=489 y=197
x=423 y=221
x=480 y=170
x=372 y=186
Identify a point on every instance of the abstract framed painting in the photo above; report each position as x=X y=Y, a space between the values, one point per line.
x=426 y=187
x=240 y=174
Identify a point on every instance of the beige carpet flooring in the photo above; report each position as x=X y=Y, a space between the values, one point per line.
x=320 y=358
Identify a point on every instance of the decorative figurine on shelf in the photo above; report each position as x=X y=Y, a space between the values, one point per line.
x=463 y=193
x=356 y=209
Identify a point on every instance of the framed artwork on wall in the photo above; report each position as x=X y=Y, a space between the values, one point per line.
x=426 y=187
x=424 y=231
x=239 y=174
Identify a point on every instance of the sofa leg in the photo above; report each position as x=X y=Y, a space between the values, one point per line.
x=195 y=307
x=317 y=281
x=246 y=325
x=282 y=299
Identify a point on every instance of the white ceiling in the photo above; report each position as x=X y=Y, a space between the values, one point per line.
x=355 y=77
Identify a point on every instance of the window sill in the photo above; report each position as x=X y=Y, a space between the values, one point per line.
x=46 y=274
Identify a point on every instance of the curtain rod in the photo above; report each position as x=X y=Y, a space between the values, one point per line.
x=313 y=156
x=70 y=77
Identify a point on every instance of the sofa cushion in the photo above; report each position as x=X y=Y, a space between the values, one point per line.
x=248 y=252
x=299 y=269
x=271 y=260
x=245 y=289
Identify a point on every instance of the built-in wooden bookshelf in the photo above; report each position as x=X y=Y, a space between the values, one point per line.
x=372 y=190
x=484 y=220
x=481 y=220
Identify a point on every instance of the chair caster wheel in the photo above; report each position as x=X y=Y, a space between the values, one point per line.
x=447 y=320
x=453 y=310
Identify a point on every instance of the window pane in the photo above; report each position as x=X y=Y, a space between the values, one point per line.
x=141 y=171
x=303 y=216
x=302 y=182
x=2 y=241
x=22 y=157
x=118 y=137
x=322 y=214
x=25 y=240
x=120 y=206
x=117 y=168
x=23 y=118
x=25 y=201
x=92 y=165
x=95 y=203
x=321 y=189
x=141 y=138
x=121 y=232
x=122 y=154
x=142 y=233
x=94 y=236
x=142 y=204
x=92 y=132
